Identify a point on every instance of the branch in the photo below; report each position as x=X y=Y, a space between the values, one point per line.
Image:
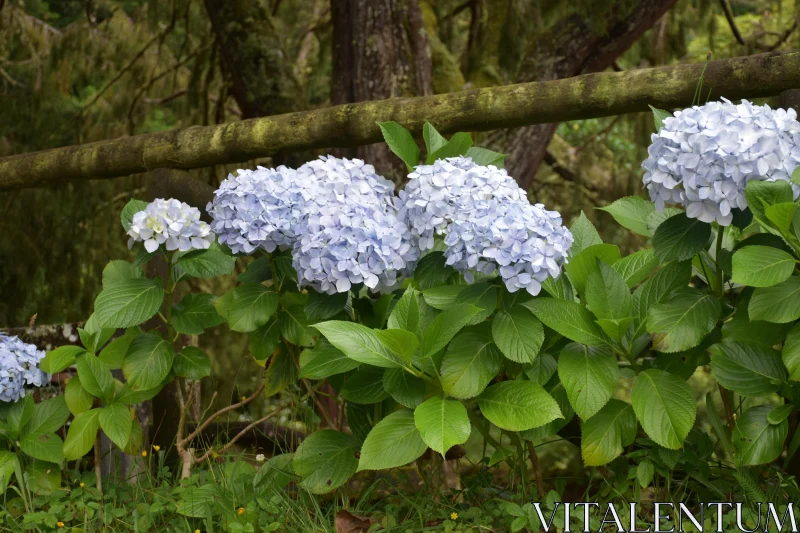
x=239 y=435
x=221 y=412
x=587 y=96
x=726 y=8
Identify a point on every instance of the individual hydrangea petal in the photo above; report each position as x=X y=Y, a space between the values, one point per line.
x=703 y=157
x=488 y=223
x=19 y=366
x=172 y=223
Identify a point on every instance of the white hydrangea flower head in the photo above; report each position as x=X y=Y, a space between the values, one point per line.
x=349 y=243
x=703 y=156
x=262 y=208
x=172 y=223
x=269 y=208
x=19 y=366
x=488 y=223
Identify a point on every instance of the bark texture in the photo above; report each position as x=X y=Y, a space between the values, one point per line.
x=581 y=97
x=380 y=50
x=252 y=57
x=573 y=47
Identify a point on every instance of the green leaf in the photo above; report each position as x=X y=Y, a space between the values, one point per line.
x=394 y=441
x=747 y=368
x=93 y=336
x=191 y=363
x=482 y=296
x=276 y=473
x=442 y=423
x=81 y=434
x=198 y=502
x=682 y=321
x=570 y=319
x=518 y=405
x=128 y=303
x=60 y=359
x=281 y=372
x=665 y=406
x=615 y=328
x=406 y=313
x=482 y=156
x=401 y=143
x=631 y=212
x=365 y=386
x=656 y=218
x=431 y=271
x=148 y=362
x=113 y=354
x=48 y=416
x=659 y=115
x=604 y=435
x=542 y=369
x=295 y=327
x=636 y=267
x=755 y=440
x=644 y=473
x=205 y=264
x=680 y=238
x=194 y=313
x=470 y=362
x=518 y=334
x=399 y=341
x=95 y=376
x=128 y=395
x=779 y=303
x=263 y=341
x=761 y=266
x=458 y=145
x=116 y=422
x=252 y=306
x=257 y=271
x=443 y=297
x=131 y=208
x=20 y=413
x=607 y=294
x=791 y=353
x=321 y=306
x=43 y=446
x=655 y=290
x=325 y=460
x=445 y=326
x=781 y=216
x=559 y=287
x=359 y=343
x=554 y=388
x=589 y=375
x=584 y=235
x=324 y=360
x=78 y=399
x=762 y=194
x=779 y=413
x=585 y=262
x=433 y=139
x=405 y=389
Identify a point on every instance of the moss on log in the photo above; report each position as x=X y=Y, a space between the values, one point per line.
x=581 y=97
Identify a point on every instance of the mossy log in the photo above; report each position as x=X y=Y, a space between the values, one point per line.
x=581 y=97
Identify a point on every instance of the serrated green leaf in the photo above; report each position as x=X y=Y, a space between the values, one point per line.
x=399 y=341
x=679 y=238
x=325 y=460
x=470 y=362
x=445 y=326
x=761 y=266
x=665 y=406
x=359 y=343
x=607 y=294
x=251 y=307
x=148 y=362
x=779 y=413
x=518 y=405
x=518 y=334
x=589 y=375
x=443 y=297
x=636 y=267
x=128 y=303
x=191 y=363
x=584 y=263
x=60 y=358
x=482 y=156
x=681 y=322
x=394 y=441
x=43 y=446
x=405 y=389
x=116 y=421
x=78 y=399
x=779 y=304
x=747 y=368
x=295 y=327
x=631 y=212
x=131 y=208
x=584 y=235
x=365 y=386
x=458 y=145
x=324 y=360
x=755 y=440
x=263 y=341
x=81 y=434
x=659 y=115
x=194 y=313
x=95 y=376
x=569 y=319
x=401 y=143
x=431 y=271
x=433 y=139
x=442 y=423
x=209 y=263
x=321 y=306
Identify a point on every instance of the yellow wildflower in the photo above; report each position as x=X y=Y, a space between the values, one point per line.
x=241 y=510
x=157 y=448
x=83 y=484
x=60 y=524
x=196 y=531
x=453 y=516
x=144 y=453
x=244 y=398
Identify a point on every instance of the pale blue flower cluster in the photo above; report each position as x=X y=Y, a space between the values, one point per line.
x=488 y=223
x=337 y=215
x=171 y=222
x=703 y=157
x=19 y=366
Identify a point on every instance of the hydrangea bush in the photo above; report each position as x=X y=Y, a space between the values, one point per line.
x=410 y=306
x=19 y=366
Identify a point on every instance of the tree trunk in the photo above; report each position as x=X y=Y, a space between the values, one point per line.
x=252 y=57
x=570 y=48
x=380 y=50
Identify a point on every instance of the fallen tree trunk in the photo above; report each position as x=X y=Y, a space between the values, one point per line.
x=581 y=97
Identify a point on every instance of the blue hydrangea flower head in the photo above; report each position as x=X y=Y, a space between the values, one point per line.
x=703 y=156
x=262 y=208
x=172 y=223
x=487 y=222
x=19 y=366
